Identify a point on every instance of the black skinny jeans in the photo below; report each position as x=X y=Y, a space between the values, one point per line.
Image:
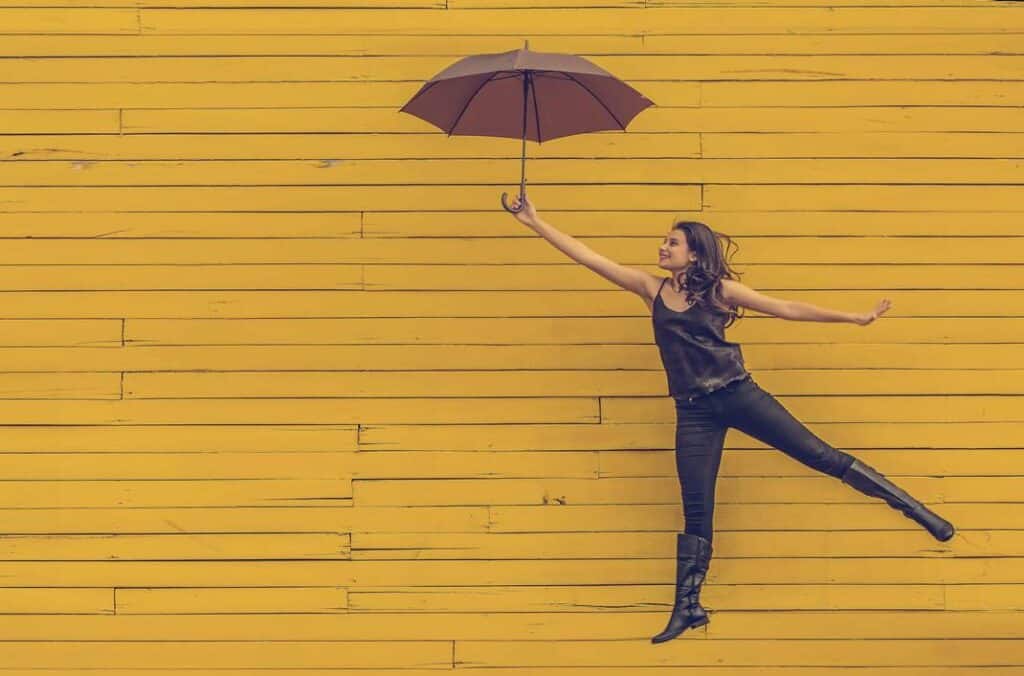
x=701 y=424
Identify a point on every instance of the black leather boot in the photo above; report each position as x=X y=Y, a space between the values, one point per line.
x=869 y=481
x=693 y=555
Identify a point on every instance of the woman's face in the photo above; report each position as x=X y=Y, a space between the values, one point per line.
x=674 y=253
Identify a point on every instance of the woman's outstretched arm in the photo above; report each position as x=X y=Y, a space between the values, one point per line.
x=638 y=281
x=740 y=294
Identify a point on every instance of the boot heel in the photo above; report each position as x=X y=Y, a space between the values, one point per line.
x=693 y=555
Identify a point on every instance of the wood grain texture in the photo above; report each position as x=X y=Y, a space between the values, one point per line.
x=285 y=391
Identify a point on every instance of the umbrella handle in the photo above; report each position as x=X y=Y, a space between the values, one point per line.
x=504 y=203
x=522 y=202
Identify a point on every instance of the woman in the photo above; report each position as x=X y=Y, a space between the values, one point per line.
x=713 y=390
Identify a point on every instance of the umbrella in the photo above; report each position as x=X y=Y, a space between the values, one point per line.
x=533 y=95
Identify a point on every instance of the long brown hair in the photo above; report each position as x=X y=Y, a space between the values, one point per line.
x=702 y=279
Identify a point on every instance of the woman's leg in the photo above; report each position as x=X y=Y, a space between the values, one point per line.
x=699 y=440
x=757 y=413
x=754 y=411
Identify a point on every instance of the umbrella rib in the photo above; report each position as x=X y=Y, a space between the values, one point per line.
x=421 y=92
x=468 y=101
x=596 y=98
x=536 y=112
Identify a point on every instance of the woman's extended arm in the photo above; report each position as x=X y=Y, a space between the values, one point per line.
x=631 y=279
x=741 y=294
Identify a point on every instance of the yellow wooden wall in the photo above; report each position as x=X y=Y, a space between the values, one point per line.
x=287 y=390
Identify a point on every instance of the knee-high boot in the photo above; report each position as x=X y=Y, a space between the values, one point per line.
x=869 y=481
x=693 y=555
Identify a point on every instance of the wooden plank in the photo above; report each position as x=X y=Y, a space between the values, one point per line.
x=184 y=414
x=242 y=519
x=968 y=517
x=361 y=198
x=192 y=224
x=665 y=489
x=780 y=367
x=216 y=655
x=728 y=570
x=173 y=493
x=849 y=93
x=848 y=435
x=177 y=277
x=648 y=623
x=567 y=625
x=176 y=546
x=776 y=119
x=530 y=248
x=328 y=147
x=649 y=171
x=60 y=121
x=767 y=463
x=441 y=331
x=457 y=46
x=499 y=279
x=157 y=45
x=637 y=229
x=60 y=386
x=867 y=145
x=160 y=438
x=575 y=671
x=623 y=599
x=415 y=464
x=571 y=277
x=936 y=652
x=472 y=547
x=60 y=19
x=881 y=197
x=841 y=403
x=151 y=460
x=89 y=334
x=793 y=222
x=631 y=68
x=53 y=602
x=390 y=96
x=663 y=118
x=516 y=21
x=943 y=396
x=202 y=600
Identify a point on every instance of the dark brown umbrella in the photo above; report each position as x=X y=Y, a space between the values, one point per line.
x=522 y=94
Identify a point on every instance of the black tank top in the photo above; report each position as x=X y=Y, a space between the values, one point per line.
x=694 y=351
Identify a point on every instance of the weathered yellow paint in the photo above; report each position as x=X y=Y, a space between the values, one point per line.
x=586 y=45
x=525 y=248
x=286 y=391
x=451 y=172
x=987 y=434
x=509 y=22
x=195 y=601
x=345 y=148
x=636 y=68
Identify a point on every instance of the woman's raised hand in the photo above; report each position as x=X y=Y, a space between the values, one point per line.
x=880 y=309
x=526 y=216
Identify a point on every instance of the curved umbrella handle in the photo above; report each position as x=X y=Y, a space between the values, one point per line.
x=522 y=202
x=504 y=203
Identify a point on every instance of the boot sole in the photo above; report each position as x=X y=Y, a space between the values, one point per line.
x=698 y=623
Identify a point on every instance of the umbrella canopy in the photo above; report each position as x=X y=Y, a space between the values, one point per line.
x=525 y=94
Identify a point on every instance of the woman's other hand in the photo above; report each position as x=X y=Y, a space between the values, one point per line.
x=528 y=215
x=868 y=317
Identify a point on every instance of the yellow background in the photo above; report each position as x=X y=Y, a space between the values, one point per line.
x=286 y=389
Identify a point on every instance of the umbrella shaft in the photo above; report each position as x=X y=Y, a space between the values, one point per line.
x=526 y=91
